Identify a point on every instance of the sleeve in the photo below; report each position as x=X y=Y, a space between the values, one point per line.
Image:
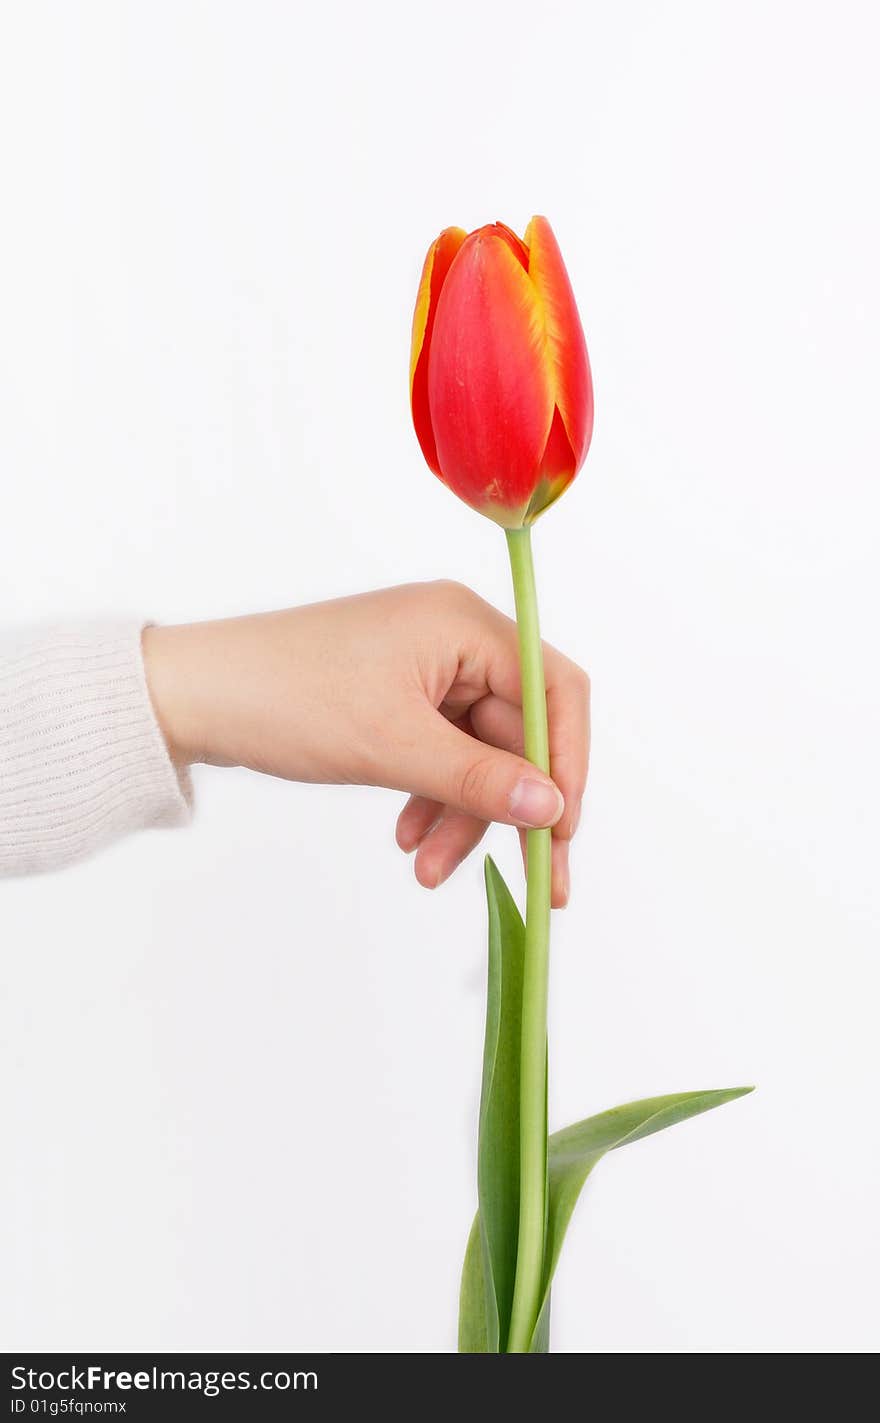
x=82 y=758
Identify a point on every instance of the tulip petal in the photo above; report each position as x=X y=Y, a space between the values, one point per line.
x=490 y=379
x=557 y=471
x=568 y=349
x=437 y=263
x=517 y=246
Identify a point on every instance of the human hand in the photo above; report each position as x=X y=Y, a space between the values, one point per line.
x=415 y=688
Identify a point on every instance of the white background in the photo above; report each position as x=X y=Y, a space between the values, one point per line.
x=240 y=1063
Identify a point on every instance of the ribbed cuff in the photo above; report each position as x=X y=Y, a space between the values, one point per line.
x=82 y=757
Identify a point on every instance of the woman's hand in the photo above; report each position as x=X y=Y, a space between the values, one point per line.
x=415 y=688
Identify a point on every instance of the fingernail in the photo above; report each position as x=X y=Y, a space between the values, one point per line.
x=535 y=803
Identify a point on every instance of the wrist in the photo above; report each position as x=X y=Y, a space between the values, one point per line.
x=175 y=692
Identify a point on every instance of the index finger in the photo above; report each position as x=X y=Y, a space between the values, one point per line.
x=568 y=714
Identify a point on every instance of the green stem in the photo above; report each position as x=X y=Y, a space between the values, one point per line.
x=528 y=1284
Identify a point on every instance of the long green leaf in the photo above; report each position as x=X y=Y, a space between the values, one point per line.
x=490 y=1257
x=498 y=1152
x=472 y=1312
x=575 y=1150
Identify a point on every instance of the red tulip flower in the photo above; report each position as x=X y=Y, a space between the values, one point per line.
x=500 y=386
x=502 y=403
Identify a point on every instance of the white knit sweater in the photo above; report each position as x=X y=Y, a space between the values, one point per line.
x=82 y=758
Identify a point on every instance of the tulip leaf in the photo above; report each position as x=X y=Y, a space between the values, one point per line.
x=575 y=1150
x=472 y=1310
x=490 y=1258
x=498 y=1151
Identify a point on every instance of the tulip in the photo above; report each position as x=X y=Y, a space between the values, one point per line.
x=502 y=403
x=500 y=387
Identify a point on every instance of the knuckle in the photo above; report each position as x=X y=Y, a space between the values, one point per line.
x=458 y=598
x=474 y=782
x=581 y=681
x=452 y=591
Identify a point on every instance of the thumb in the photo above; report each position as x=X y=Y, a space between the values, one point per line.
x=457 y=770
